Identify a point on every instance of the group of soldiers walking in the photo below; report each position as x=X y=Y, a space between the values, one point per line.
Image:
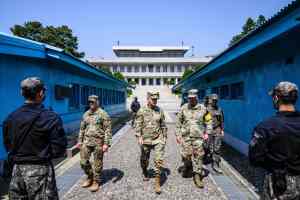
x=34 y=135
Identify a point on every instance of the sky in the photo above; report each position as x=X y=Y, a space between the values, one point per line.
x=208 y=25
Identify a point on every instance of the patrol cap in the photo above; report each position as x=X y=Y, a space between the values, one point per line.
x=31 y=85
x=153 y=94
x=214 y=96
x=93 y=98
x=284 y=88
x=192 y=93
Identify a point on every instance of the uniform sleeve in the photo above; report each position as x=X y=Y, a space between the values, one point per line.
x=258 y=148
x=107 y=129
x=83 y=126
x=208 y=123
x=6 y=136
x=163 y=125
x=58 y=139
x=139 y=122
x=179 y=121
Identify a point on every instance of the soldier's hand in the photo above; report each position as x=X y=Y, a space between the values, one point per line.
x=105 y=148
x=79 y=145
x=222 y=133
x=178 y=140
x=205 y=136
x=140 y=139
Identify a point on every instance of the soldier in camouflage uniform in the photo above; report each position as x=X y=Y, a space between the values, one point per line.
x=275 y=146
x=33 y=136
x=151 y=132
x=94 y=138
x=215 y=139
x=193 y=126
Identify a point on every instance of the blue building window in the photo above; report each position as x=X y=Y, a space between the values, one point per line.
x=201 y=94
x=105 y=96
x=75 y=96
x=99 y=94
x=224 y=92
x=215 y=90
x=92 y=91
x=84 y=95
x=237 y=90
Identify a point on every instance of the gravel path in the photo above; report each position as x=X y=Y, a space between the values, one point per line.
x=122 y=177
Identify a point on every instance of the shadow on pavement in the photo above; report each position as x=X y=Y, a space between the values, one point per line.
x=113 y=175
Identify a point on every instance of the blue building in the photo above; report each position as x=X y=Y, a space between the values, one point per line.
x=244 y=73
x=69 y=81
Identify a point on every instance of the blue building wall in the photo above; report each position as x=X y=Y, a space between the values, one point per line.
x=256 y=64
x=14 y=68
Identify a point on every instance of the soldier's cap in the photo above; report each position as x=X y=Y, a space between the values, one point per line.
x=33 y=84
x=192 y=93
x=153 y=95
x=284 y=88
x=93 y=98
x=214 y=96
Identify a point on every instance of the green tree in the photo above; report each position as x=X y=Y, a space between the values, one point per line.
x=119 y=75
x=187 y=73
x=61 y=36
x=260 y=20
x=249 y=26
x=106 y=69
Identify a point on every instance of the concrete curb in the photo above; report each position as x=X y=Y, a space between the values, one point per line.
x=217 y=186
x=250 y=188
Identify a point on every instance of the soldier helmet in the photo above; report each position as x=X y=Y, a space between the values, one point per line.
x=192 y=93
x=153 y=95
x=214 y=97
x=31 y=86
x=93 y=98
x=286 y=92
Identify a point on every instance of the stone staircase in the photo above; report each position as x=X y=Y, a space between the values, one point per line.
x=167 y=101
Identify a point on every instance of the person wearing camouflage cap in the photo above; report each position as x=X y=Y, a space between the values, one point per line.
x=33 y=136
x=193 y=125
x=275 y=145
x=215 y=139
x=151 y=132
x=94 y=138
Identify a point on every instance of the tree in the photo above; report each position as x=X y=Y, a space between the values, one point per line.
x=119 y=75
x=106 y=69
x=61 y=36
x=249 y=26
x=187 y=73
x=260 y=20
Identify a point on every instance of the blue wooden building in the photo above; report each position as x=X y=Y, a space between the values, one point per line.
x=244 y=73
x=69 y=81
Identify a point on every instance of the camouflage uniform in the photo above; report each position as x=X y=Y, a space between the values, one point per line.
x=215 y=139
x=39 y=181
x=150 y=125
x=95 y=131
x=191 y=124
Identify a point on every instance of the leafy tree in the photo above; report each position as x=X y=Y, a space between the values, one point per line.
x=249 y=26
x=199 y=66
x=61 y=36
x=260 y=20
x=187 y=73
x=106 y=69
x=119 y=75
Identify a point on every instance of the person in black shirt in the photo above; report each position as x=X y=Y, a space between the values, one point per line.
x=275 y=146
x=33 y=136
x=135 y=106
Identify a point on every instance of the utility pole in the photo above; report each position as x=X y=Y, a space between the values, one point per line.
x=193 y=48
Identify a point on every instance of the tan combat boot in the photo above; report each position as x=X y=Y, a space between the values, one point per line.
x=157 y=184
x=198 y=180
x=87 y=183
x=94 y=187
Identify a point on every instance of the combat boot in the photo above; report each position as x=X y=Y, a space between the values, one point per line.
x=198 y=180
x=157 y=184
x=145 y=175
x=187 y=171
x=94 y=187
x=216 y=167
x=87 y=183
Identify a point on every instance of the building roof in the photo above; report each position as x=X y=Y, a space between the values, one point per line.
x=132 y=60
x=18 y=46
x=247 y=43
x=150 y=48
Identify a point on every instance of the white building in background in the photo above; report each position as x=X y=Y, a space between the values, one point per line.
x=150 y=65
